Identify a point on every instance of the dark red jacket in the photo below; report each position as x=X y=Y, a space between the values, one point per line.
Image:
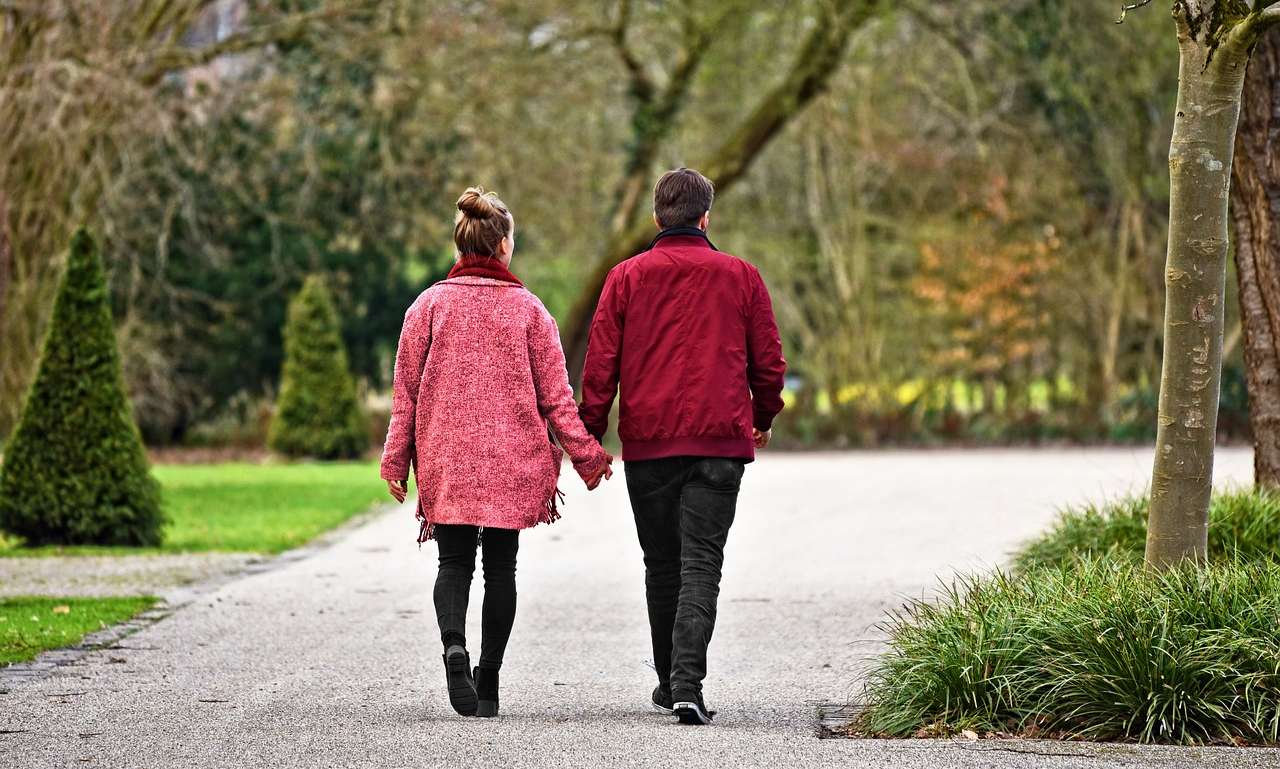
x=689 y=334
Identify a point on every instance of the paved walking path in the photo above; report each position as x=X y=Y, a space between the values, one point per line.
x=333 y=659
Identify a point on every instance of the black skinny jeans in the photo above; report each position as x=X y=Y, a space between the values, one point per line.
x=683 y=508
x=453 y=587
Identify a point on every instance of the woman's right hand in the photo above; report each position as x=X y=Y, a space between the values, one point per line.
x=398 y=489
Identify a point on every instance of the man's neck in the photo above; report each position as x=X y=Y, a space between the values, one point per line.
x=685 y=230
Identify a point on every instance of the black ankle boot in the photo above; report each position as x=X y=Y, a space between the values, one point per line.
x=462 y=689
x=487 y=692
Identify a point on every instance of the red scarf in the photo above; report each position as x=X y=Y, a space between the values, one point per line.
x=475 y=266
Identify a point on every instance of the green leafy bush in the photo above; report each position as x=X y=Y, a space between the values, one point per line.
x=1095 y=649
x=1243 y=525
x=75 y=471
x=317 y=414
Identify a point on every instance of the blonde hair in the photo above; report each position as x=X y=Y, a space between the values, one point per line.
x=483 y=221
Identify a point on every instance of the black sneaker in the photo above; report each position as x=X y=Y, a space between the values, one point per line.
x=662 y=699
x=690 y=709
x=462 y=687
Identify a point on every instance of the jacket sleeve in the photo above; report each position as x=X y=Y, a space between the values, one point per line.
x=411 y=356
x=765 y=365
x=601 y=370
x=555 y=397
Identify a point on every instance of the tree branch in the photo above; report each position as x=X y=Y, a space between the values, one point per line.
x=687 y=63
x=819 y=57
x=641 y=85
x=813 y=67
x=167 y=15
x=1244 y=35
x=287 y=29
x=1124 y=9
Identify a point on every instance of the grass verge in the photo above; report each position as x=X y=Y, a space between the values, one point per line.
x=264 y=508
x=1095 y=649
x=1244 y=525
x=29 y=626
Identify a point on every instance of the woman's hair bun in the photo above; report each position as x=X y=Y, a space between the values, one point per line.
x=478 y=204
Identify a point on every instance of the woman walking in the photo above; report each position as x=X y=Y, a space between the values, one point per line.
x=480 y=387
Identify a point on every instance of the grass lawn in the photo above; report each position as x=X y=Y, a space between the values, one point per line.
x=29 y=626
x=263 y=508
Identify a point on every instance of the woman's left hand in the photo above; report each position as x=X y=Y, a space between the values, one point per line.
x=398 y=489
x=605 y=473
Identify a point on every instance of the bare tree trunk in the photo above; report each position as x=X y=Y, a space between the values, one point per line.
x=1212 y=64
x=6 y=263
x=1255 y=210
x=1115 y=312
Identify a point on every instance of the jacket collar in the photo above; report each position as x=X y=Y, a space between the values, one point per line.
x=483 y=267
x=683 y=232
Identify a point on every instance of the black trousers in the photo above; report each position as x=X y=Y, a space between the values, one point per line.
x=453 y=587
x=683 y=508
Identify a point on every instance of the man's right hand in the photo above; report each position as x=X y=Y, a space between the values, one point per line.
x=398 y=489
x=761 y=439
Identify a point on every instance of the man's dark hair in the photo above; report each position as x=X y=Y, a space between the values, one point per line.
x=681 y=197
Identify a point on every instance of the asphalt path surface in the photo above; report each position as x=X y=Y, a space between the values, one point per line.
x=333 y=659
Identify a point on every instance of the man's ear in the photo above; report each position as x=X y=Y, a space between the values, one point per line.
x=705 y=221
x=656 y=223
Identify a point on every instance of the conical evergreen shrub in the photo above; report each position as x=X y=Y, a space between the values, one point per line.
x=317 y=413
x=75 y=471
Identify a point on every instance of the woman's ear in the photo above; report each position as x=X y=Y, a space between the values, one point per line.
x=705 y=221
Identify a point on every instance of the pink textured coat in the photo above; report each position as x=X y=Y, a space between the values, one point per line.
x=480 y=376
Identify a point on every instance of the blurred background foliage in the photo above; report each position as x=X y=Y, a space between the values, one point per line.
x=964 y=233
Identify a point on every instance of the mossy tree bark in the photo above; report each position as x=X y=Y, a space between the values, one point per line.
x=1215 y=40
x=1255 y=214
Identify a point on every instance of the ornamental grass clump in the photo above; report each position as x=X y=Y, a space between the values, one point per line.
x=1244 y=525
x=1095 y=649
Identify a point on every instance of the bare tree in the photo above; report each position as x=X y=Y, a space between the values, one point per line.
x=81 y=82
x=1216 y=38
x=1255 y=206
x=655 y=114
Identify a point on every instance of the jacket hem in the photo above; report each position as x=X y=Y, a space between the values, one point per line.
x=729 y=448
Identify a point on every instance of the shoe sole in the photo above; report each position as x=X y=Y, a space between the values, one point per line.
x=486 y=709
x=462 y=694
x=660 y=709
x=690 y=714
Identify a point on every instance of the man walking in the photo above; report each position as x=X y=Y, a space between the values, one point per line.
x=688 y=333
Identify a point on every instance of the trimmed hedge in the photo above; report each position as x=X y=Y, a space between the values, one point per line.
x=75 y=471
x=1243 y=525
x=317 y=414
